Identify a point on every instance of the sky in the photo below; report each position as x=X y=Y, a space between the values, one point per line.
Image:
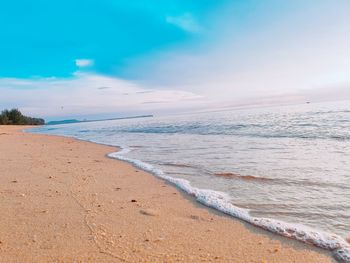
x=106 y=58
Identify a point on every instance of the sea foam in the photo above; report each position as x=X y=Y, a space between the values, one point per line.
x=222 y=202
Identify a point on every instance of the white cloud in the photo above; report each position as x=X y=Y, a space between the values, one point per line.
x=89 y=95
x=82 y=63
x=186 y=22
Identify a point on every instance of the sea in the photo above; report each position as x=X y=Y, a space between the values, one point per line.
x=284 y=168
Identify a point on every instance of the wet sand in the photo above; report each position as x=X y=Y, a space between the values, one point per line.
x=63 y=200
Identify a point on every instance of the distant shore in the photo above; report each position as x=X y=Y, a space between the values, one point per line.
x=63 y=200
x=71 y=121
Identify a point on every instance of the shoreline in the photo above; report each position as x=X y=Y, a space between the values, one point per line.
x=115 y=212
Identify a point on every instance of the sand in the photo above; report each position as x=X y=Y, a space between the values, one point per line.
x=63 y=200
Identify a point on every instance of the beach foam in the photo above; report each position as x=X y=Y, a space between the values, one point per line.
x=221 y=201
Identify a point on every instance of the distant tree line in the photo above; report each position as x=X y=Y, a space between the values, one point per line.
x=15 y=117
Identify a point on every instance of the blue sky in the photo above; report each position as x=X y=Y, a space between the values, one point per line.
x=43 y=38
x=115 y=57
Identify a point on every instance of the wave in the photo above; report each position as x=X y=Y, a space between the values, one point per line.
x=242 y=177
x=297 y=131
x=183 y=165
x=280 y=181
x=221 y=201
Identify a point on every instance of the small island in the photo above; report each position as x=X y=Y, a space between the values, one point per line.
x=15 y=117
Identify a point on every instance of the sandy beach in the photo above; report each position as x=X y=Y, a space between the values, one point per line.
x=63 y=200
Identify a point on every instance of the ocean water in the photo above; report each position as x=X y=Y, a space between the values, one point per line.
x=285 y=169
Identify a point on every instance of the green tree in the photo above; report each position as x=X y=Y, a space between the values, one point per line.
x=15 y=117
x=4 y=119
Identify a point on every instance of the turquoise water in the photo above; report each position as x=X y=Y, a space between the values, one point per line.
x=288 y=164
